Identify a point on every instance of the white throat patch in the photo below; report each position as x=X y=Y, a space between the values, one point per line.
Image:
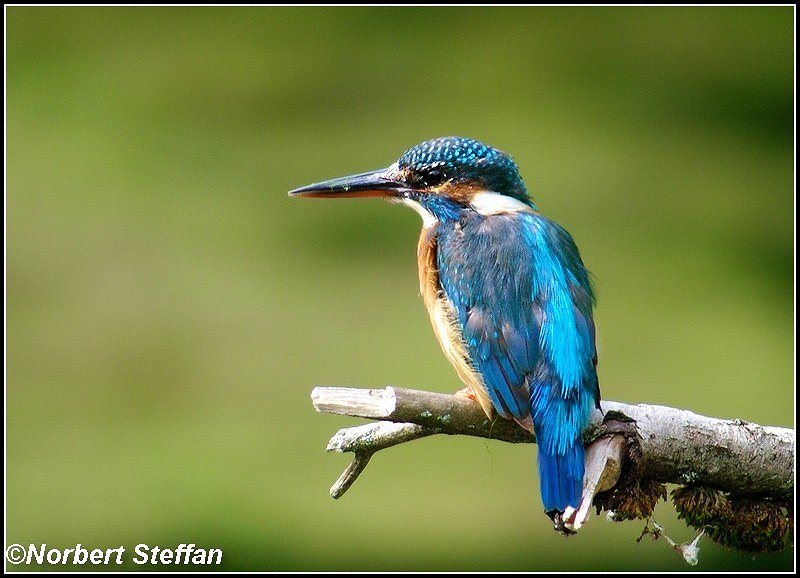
x=489 y=203
x=428 y=219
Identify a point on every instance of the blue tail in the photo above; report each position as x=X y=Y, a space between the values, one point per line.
x=561 y=477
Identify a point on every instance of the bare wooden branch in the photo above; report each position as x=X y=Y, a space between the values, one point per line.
x=677 y=446
x=371 y=437
x=735 y=456
x=364 y=441
x=441 y=412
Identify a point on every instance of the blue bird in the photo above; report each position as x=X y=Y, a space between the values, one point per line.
x=508 y=296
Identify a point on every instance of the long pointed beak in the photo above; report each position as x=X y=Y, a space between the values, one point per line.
x=371 y=184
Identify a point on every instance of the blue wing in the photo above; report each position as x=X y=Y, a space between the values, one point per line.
x=523 y=301
x=494 y=305
x=524 y=305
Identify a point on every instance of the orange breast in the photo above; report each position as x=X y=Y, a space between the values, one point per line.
x=444 y=320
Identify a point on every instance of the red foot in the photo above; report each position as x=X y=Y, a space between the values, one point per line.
x=466 y=392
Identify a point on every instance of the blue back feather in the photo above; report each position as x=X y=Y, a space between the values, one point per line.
x=524 y=304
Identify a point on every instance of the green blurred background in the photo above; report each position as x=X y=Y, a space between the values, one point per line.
x=169 y=308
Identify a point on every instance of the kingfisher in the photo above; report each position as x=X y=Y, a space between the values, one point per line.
x=508 y=295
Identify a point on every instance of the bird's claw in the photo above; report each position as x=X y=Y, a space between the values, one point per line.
x=466 y=392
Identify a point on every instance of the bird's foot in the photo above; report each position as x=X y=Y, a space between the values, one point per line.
x=466 y=392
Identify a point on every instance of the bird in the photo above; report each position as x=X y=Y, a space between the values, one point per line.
x=508 y=295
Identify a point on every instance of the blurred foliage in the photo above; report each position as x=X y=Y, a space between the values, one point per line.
x=169 y=308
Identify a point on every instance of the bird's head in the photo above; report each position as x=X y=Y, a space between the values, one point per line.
x=440 y=178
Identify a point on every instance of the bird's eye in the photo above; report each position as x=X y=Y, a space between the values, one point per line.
x=433 y=177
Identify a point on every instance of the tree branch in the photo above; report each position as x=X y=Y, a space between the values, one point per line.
x=364 y=441
x=674 y=445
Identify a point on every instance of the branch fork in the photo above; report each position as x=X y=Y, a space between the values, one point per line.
x=668 y=445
